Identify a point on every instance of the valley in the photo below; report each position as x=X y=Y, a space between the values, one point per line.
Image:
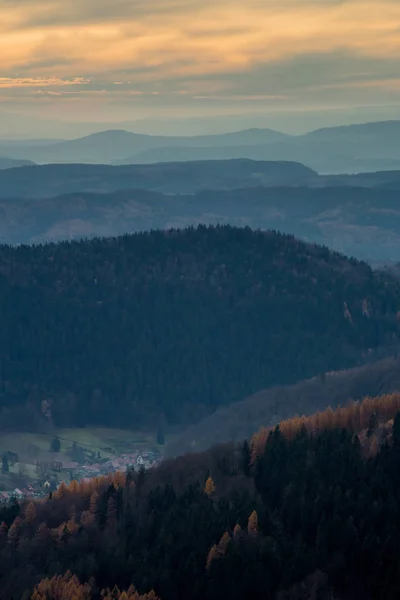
x=199 y=300
x=36 y=463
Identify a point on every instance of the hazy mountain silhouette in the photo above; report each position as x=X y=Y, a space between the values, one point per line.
x=350 y=148
x=362 y=222
x=120 y=145
x=184 y=177
x=10 y=163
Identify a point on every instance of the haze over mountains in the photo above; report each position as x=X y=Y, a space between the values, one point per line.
x=346 y=149
x=355 y=214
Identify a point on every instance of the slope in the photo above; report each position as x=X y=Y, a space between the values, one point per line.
x=268 y=407
x=124 y=330
x=315 y=513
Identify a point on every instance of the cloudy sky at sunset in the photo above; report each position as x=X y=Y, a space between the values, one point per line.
x=125 y=59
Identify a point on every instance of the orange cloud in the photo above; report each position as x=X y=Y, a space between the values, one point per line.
x=32 y=82
x=139 y=41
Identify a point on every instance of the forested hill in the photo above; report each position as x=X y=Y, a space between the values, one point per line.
x=309 y=510
x=176 y=323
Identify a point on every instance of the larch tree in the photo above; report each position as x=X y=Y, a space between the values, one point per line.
x=30 y=512
x=209 y=487
x=252 y=526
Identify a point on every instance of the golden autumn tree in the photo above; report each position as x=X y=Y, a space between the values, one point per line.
x=209 y=487
x=14 y=530
x=88 y=519
x=252 y=526
x=355 y=416
x=93 y=504
x=30 y=512
x=130 y=594
x=374 y=445
x=212 y=555
x=237 y=530
x=66 y=587
x=73 y=487
x=223 y=543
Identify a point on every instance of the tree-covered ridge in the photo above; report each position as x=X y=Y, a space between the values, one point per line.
x=68 y=587
x=120 y=330
x=273 y=405
x=356 y=417
x=314 y=516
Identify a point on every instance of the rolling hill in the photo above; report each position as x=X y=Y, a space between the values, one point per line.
x=45 y=181
x=123 y=330
x=362 y=222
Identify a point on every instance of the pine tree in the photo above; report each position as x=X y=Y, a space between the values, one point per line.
x=160 y=436
x=55 y=444
x=5 y=464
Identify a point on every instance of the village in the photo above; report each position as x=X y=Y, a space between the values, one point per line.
x=82 y=465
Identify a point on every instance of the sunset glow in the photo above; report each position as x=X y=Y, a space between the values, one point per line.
x=266 y=51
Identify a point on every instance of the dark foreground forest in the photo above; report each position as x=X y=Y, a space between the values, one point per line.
x=311 y=510
x=175 y=324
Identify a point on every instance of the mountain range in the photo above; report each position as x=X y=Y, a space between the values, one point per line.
x=360 y=221
x=345 y=149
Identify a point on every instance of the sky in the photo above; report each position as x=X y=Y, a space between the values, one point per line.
x=127 y=60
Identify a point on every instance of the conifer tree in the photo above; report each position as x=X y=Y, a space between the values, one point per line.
x=252 y=526
x=30 y=512
x=209 y=487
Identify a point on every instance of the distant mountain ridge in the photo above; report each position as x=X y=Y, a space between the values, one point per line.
x=345 y=149
x=11 y=163
x=49 y=180
x=114 y=145
x=45 y=181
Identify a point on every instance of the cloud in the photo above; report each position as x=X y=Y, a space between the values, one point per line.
x=257 y=50
x=42 y=82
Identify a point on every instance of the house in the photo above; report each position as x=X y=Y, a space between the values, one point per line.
x=17 y=493
x=69 y=465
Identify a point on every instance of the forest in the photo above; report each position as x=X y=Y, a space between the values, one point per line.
x=308 y=509
x=170 y=325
